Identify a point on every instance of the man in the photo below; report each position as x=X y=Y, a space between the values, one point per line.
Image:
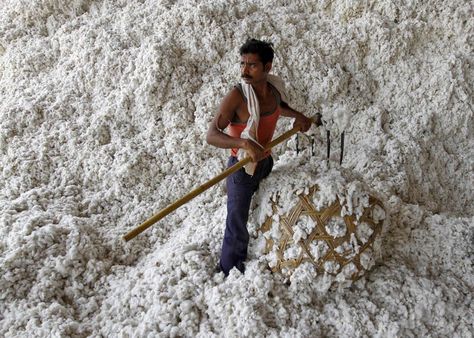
x=251 y=108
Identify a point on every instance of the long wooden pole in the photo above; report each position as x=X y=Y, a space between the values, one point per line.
x=189 y=196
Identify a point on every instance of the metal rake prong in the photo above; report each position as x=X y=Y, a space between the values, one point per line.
x=342 y=148
x=328 y=138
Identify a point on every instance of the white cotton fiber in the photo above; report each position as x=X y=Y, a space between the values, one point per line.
x=104 y=109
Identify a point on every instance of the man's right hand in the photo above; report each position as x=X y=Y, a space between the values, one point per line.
x=255 y=151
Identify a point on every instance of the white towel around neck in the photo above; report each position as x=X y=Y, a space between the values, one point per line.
x=251 y=130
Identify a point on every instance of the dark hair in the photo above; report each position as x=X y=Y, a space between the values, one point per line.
x=262 y=48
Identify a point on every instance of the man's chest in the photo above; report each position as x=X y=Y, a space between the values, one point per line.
x=267 y=107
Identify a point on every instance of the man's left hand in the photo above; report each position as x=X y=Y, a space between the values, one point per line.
x=302 y=122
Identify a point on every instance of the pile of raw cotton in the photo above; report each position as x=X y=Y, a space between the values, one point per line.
x=104 y=107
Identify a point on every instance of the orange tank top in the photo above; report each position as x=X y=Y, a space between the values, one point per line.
x=266 y=128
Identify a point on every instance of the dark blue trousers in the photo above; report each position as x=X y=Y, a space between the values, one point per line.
x=240 y=189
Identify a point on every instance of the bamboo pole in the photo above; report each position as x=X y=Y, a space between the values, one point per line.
x=189 y=196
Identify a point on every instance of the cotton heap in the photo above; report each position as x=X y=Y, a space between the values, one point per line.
x=104 y=107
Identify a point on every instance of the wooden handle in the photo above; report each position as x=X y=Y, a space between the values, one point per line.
x=189 y=196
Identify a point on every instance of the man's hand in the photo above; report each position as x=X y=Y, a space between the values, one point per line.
x=255 y=151
x=302 y=122
x=318 y=120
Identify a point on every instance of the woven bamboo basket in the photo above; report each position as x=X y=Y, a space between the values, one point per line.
x=333 y=253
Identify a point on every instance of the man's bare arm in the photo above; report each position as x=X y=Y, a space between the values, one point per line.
x=301 y=121
x=216 y=136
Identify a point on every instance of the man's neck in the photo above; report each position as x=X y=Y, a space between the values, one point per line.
x=261 y=89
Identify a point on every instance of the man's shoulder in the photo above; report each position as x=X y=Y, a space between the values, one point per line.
x=235 y=95
x=232 y=101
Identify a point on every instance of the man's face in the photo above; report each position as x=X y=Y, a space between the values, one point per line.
x=252 y=69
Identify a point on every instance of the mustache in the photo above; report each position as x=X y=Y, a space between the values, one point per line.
x=244 y=76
